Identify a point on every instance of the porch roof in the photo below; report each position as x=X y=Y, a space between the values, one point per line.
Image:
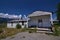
x=39 y=13
x=16 y=21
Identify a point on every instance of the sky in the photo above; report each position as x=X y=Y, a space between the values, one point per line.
x=25 y=7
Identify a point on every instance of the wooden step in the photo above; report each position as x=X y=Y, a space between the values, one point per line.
x=44 y=32
x=43 y=29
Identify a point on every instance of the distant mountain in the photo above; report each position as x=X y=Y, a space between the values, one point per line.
x=4 y=20
x=7 y=17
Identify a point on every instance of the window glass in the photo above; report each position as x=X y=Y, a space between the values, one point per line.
x=39 y=20
x=22 y=22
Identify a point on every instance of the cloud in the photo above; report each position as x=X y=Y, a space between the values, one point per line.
x=20 y=16
x=3 y=15
x=6 y=14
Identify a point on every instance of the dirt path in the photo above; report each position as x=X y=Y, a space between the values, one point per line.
x=32 y=36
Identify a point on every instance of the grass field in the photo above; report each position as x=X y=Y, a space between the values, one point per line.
x=12 y=31
x=9 y=32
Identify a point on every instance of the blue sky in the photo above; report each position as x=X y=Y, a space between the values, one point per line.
x=27 y=6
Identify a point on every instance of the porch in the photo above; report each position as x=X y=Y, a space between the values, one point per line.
x=43 y=30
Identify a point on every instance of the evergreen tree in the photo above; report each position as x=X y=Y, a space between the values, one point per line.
x=58 y=12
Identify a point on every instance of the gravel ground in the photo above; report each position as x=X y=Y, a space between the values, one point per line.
x=32 y=36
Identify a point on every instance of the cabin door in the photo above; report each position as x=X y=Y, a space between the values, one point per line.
x=39 y=23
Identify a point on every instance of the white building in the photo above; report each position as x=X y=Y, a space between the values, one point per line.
x=40 y=19
x=13 y=23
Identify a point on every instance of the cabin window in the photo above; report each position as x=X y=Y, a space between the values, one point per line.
x=40 y=20
x=11 y=23
x=22 y=22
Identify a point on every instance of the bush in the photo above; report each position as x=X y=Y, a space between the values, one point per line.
x=18 y=26
x=56 y=30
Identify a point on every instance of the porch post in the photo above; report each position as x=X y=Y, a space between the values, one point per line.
x=27 y=23
x=51 y=19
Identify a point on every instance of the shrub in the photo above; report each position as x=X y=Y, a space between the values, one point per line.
x=18 y=26
x=56 y=30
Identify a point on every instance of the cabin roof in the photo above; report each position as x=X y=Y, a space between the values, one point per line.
x=39 y=13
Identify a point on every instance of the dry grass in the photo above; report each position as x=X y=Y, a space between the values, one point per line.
x=9 y=32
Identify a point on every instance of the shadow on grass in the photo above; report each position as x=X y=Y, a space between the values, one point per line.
x=53 y=34
x=49 y=33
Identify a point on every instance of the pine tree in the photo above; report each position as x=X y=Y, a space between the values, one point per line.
x=58 y=12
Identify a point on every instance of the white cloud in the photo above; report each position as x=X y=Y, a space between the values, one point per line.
x=20 y=16
x=6 y=14
x=25 y=16
x=3 y=15
x=14 y=16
